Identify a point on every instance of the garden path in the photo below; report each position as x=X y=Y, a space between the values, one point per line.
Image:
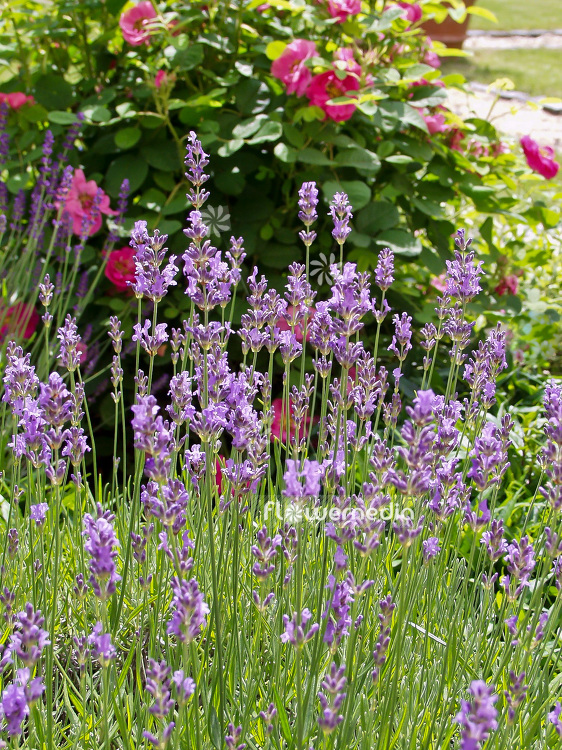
x=513 y=112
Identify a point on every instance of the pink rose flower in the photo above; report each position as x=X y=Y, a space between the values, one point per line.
x=412 y=11
x=439 y=282
x=326 y=86
x=540 y=159
x=120 y=267
x=508 y=285
x=436 y=123
x=135 y=23
x=160 y=78
x=290 y=67
x=343 y=9
x=21 y=319
x=16 y=99
x=79 y=202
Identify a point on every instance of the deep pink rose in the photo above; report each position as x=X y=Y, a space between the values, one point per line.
x=343 y=9
x=16 y=99
x=508 y=285
x=135 y=23
x=540 y=158
x=326 y=86
x=412 y=11
x=120 y=267
x=79 y=202
x=160 y=78
x=436 y=123
x=290 y=67
x=19 y=320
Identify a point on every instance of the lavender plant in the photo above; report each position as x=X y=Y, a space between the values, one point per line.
x=46 y=263
x=348 y=584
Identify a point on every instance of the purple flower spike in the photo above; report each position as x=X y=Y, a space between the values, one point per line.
x=295 y=633
x=554 y=718
x=334 y=685
x=341 y=214
x=478 y=718
x=14 y=707
x=308 y=201
x=185 y=686
x=29 y=639
x=100 y=546
x=150 y=280
x=232 y=739
x=463 y=274
x=102 y=648
x=189 y=610
x=158 y=685
x=38 y=513
x=384 y=272
x=196 y=160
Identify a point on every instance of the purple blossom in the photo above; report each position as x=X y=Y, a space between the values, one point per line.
x=265 y=552
x=496 y=545
x=384 y=272
x=296 y=633
x=38 y=514
x=489 y=462
x=69 y=356
x=297 y=490
x=308 y=201
x=196 y=160
x=554 y=718
x=189 y=610
x=158 y=685
x=387 y=607
x=551 y=455
x=15 y=708
x=185 y=686
x=402 y=336
x=463 y=274
x=341 y=214
x=515 y=694
x=477 y=718
x=232 y=739
x=430 y=548
x=520 y=558
x=102 y=648
x=334 y=685
x=338 y=611
x=100 y=544
x=150 y=343
x=150 y=280
x=29 y=639
x=268 y=716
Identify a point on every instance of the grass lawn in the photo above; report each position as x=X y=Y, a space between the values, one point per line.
x=534 y=71
x=521 y=14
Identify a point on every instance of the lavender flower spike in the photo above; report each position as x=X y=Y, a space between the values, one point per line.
x=340 y=211
x=478 y=718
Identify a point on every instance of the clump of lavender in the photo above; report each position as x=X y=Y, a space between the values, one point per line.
x=245 y=546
